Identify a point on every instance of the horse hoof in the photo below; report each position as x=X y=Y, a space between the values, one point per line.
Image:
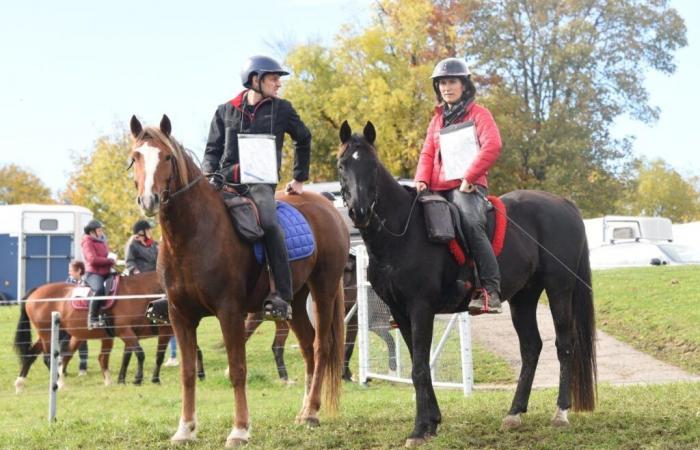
x=560 y=418
x=235 y=443
x=186 y=432
x=121 y=381
x=511 y=422
x=290 y=382
x=155 y=380
x=201 y=377
x=138 y=382
x=19 y=385
x=417 y=442
x=312 y=422
x=238 y=437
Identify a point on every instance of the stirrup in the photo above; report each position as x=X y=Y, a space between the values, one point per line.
x=484 y=303
x=99 y=322
x=276 y=308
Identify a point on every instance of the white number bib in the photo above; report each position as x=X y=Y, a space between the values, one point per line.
x=458 y=147
x=257 y=154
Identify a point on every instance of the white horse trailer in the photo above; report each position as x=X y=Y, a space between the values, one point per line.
x=36 y=244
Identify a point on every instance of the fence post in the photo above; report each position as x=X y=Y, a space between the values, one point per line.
x=362 y=319
x=465 y=345
x=55 y=355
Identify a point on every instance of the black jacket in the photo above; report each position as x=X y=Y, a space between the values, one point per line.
x=222 y=145
x=141 y=258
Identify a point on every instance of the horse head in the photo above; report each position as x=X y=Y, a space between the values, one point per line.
x=357 y=168
x=159 y=164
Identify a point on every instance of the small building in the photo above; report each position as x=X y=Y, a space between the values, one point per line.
x=36 y=244
x=608 y=229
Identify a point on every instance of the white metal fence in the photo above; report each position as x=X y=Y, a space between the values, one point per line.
x=383 y=354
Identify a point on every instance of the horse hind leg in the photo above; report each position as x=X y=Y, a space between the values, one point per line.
x=305 y=333
x=560 y=307
x=523 y=309
x=103 y=359
x=26 y=363
x=281 y=334
x=162 y=344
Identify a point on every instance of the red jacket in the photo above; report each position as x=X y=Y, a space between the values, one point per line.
x=429 y=168
x=95 y=254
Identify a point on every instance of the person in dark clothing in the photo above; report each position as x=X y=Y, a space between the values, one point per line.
x=76 y=275
x=142 y=251
x=455 y=94
x=258 y=110
x=98 y=265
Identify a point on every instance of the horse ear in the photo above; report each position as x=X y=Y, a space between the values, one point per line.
x=136 y=127
x=165 y=125
x=345 y=132
x=369 y=132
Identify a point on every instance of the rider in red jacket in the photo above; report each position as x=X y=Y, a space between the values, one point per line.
x=97 y=266
x=455 y=94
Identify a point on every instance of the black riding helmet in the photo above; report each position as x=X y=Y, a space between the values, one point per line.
x=452 y=68
x=141 y=225
x=92 y=226
x=260 y=66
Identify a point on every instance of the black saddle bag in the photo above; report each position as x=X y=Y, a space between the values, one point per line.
x=244 y=216
x=438 y=218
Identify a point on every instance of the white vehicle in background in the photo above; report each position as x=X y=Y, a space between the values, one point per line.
x=642 y=254
x=609 y=229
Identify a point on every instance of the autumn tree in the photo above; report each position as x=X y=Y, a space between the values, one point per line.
x=101 y=183
x=18 y=185
x=555 y=74
x=659 y=190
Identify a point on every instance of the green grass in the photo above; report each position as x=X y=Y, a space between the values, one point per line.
x=380 y=416
x=655 y=309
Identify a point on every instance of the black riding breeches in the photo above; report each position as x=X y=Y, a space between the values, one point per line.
x=275 y=247
x=472 y=209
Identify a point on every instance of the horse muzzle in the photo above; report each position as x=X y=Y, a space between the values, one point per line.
x=149 y=204
x=360 y=216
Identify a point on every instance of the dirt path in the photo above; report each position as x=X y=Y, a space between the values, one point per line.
x=618 y=363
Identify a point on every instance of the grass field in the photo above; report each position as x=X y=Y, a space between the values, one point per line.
x=380 y=416
x=654 y=309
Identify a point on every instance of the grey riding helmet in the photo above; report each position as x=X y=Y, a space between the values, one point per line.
x=259 y=65
x=450 y=67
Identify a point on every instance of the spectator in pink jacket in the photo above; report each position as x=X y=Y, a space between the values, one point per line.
x=455 y=93
x=98 y=265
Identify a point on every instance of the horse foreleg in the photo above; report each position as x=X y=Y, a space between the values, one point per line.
x=186 y=334
x=103 y=359
x=523 y=311
x=233 y=329
x=427 y=410
x=281 y=333
x=163 y=340
x=67 y=354
x=131 y=345
x=26 y=363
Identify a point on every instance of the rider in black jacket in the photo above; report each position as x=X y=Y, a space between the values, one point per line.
x=258 y=110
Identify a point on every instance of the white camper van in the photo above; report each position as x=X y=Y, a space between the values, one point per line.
x=36 y=244
x=609 y=229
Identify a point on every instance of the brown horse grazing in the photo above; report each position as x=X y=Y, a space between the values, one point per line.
x=208 y=270
x=128 y=324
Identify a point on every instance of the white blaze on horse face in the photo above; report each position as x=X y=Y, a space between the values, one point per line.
x=150 y=158
x=356 y=155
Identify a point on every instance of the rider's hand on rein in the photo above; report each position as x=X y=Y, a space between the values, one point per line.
x=467 y=187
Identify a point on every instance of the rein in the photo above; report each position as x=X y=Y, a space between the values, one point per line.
x=382 y=222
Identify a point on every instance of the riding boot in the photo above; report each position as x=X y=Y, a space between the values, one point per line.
x=95 y=320
x=277 y=304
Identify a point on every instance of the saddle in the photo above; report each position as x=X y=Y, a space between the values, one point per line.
x=244 y=216
x=79 y=292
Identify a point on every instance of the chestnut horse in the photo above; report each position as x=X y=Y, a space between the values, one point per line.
x=128 y=324
x=208 y=270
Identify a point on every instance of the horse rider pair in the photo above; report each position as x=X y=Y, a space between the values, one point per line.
x=258 y=110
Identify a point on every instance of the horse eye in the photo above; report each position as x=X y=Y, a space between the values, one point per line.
x=167 y=157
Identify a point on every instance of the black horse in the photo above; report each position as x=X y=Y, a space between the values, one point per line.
x=545 y=249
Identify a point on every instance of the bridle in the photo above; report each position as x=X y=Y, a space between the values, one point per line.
x=372 y=211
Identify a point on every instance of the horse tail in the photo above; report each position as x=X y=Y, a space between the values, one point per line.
x=584 y=371
x=23 y=333
x=332 y=376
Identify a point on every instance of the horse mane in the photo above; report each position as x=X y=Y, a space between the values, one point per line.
x=182 y=159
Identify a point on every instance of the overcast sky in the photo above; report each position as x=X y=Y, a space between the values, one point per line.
x=74 y=71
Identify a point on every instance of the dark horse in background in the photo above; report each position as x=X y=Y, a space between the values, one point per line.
x=209 y=271
x=416 y=279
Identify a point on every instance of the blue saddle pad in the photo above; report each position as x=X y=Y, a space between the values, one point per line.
x=297 y=234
